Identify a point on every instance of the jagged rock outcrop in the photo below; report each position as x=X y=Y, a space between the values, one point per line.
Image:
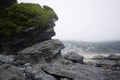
x=6 y=3
x=30 y=37
x=46 y=51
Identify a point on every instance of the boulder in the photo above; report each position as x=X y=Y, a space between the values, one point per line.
x=28 y=69
x=46 y=51
x=74 y=57
x=9 y=72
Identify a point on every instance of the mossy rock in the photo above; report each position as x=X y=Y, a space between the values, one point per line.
x=19 y=17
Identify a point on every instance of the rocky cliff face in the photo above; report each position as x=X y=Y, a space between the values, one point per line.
x=25 y=24
x=31 y=40
x=25 y=39
x=26 y=32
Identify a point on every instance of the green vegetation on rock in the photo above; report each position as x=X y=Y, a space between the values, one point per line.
x=19 y=17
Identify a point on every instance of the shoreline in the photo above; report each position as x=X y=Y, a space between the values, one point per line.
x=88 y=56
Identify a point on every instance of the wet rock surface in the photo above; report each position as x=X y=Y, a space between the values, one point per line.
x=58 y=70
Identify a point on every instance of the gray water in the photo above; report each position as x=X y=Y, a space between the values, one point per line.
x=81 y=47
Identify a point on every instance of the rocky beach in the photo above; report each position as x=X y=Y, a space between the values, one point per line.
x=28 y=52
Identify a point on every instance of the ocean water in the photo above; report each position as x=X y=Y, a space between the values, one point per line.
x=91 y=49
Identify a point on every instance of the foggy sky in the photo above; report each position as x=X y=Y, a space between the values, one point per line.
x=85 y=20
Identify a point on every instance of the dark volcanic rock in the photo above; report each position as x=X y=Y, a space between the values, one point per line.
x=9 y=72
x=74 y=57
x=6 y=3
x=46 y=51
x=25 y=39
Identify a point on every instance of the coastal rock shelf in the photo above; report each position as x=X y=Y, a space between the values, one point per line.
x=28 y=52
x=61 y=69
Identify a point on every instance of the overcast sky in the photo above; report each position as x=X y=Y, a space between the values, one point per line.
x=85 y=20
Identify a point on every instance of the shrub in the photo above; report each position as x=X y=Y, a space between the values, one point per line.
x=21 y=16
